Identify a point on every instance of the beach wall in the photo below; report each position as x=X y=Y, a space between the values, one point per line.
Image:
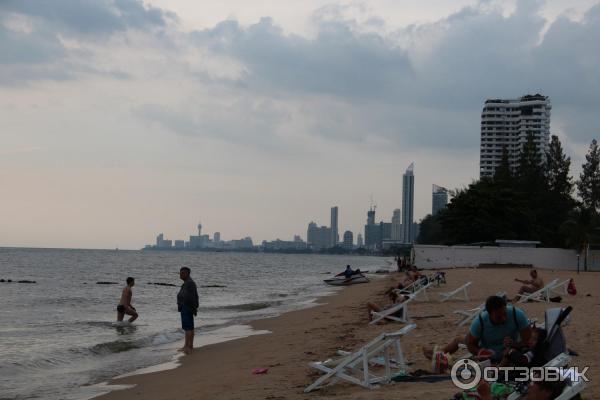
x=433 y=256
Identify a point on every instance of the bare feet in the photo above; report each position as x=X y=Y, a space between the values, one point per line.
x=187 y=351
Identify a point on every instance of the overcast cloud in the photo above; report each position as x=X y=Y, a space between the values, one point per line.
x=239 y=122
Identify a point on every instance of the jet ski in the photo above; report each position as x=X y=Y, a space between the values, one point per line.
x=343 y=281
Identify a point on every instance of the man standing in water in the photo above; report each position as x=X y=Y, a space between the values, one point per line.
x=187 y=305
x=125 y=306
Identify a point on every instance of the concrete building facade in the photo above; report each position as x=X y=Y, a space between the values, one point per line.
x=506 y=124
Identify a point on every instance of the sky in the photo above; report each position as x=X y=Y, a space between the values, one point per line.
x=122 y=119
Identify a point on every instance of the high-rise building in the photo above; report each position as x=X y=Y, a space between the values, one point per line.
x=397 y=225
x=217 y=237
x=318 y=237
x=439 y=199
x=199 y=229
x=359 y=240
x=506 y=124
x=408 y=197
x=348 y=240
x=334 y=227
x=372 y=230
x=371 y=216
x=159 y=240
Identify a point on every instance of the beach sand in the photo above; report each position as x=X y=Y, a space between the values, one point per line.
x=224 y=370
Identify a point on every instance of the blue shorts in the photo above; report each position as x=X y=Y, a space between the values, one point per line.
x=187 y=319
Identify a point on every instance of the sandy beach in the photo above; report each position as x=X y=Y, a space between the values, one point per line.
x=224 y=370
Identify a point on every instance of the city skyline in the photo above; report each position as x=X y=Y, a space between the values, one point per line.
x=121 y=120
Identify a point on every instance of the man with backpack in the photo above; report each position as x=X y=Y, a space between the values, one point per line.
x=497 y=328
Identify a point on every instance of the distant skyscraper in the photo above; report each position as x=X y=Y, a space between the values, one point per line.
x=199 y=229
x=217 y=237
x=334 y=227
x=372 y=231
x=348 y=240
x=359 y=240
x=318 y=237
x=506 y=123
x=371 y=216
x=408 y=197
x=159 y=240
x=439 y=199
x=397 y=225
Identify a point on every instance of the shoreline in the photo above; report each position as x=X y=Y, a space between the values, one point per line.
x=224 y=370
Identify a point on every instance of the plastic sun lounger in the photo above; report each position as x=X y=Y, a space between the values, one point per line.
x=354 y=367
x=390 y=312
x=419 y=293
x=468 y=315
x=540 y=295
x=460 y=294
x=559 y=361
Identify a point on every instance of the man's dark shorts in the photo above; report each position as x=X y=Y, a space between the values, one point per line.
x=187 y=319
x=121 y=309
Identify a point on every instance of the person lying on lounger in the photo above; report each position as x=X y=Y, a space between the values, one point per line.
x=395 y=299
x=530 y=285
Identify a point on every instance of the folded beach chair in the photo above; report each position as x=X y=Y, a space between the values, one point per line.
x=397 y=312
x=385 y=350
x=541 y=295
x=461 y=292
x=468 y=315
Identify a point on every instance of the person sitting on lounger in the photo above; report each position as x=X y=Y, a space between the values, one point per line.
x=530 y=285
x=498 y=327
x=395 y=299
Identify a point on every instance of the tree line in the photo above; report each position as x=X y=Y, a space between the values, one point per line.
x=533 y=201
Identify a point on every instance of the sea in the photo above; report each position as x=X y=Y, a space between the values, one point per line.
x=59 y=338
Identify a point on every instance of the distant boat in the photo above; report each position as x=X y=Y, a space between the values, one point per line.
x=342 y=281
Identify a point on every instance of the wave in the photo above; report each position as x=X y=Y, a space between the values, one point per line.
x=118 y=346
x=245 y=306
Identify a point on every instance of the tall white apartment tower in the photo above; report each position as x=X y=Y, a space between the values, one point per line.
x=506 y=123
x=408 y=198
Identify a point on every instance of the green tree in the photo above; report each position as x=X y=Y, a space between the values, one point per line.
x=503 y=173
x=430 y=231
x=530 y=172
x=588 y=185
x=557 y=169
x=580 y=229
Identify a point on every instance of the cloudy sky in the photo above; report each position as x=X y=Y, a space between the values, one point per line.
x=120 y=119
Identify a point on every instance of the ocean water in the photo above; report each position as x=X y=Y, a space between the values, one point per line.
x=58 y=336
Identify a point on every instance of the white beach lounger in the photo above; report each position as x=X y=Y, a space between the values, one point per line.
x=556 y=289
x=461 y=292
x=389 y=312
x=572 y=389
x=353 y=367
x=419 y=292
x=541 y=295
x=468 y=315
x=559 y=361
